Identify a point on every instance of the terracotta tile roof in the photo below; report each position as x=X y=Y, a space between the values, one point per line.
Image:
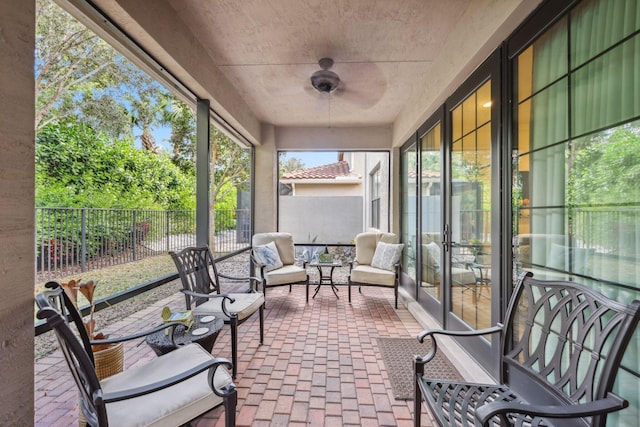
x=332 y=171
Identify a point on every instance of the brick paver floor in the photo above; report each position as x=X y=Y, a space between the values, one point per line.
x=319 y=364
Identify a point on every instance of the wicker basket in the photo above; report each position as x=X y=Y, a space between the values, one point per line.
x=109 y=361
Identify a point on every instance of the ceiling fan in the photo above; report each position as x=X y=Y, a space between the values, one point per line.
x=325 y=80
x=363 y=84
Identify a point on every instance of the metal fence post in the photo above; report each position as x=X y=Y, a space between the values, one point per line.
x=83 y=240
x=166 y=213
x=134 y=236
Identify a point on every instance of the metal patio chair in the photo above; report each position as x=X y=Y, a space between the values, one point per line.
x=201 y=289
x=145 y=394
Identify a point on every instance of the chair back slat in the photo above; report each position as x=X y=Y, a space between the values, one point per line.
x=57 y=309
x=197 y=272
x=567 y=335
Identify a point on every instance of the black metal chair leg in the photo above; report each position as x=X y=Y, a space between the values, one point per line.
x=233 y=324
x=418 y=368
x=230 y=402
x=261 y=324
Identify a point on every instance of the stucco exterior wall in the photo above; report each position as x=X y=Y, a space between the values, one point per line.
x=17 y=21
x=328 y=190
x=325 y=219
x=313 y=138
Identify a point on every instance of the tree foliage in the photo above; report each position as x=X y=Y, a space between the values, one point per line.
x=90 y=101
x=289 y=165
x=77 y=167
x=605 y=167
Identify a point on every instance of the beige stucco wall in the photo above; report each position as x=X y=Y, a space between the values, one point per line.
x=330 y=138
x=459 y=58
x=329 y=190
x=304 y=138
x=17 y=26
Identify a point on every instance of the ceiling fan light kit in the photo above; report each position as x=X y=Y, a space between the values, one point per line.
x=325 y=80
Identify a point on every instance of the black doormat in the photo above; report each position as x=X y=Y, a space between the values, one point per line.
x=398 y=353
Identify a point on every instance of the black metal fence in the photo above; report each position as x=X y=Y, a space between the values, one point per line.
x=71 y=240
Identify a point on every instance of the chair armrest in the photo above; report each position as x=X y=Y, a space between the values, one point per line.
x=610 y=403
x=210 y=365
x=141 y=334
x=210 y=296
x=224 y=297
x=251 y=279
x=431 y=333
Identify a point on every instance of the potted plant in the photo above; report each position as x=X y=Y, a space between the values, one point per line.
x=108 y=358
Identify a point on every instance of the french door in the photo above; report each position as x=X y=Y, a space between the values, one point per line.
x=473 y=214
x=460 y=210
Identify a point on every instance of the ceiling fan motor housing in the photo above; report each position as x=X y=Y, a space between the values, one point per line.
x=325 y=81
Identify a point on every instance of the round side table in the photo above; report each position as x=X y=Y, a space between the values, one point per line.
x=161 y=343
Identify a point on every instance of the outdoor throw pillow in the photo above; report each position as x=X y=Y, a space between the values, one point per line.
x=268 y=256
x=387 y=255
x=433 y=257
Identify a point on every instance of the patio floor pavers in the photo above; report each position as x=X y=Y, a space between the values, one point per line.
x=319 y=364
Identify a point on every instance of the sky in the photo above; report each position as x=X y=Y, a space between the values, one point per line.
x=313 y=158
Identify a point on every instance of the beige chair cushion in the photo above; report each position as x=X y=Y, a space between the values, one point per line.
x=366 y=244
x=283 y=241
x=244 y=305
x=286 y=274
x=173 y=405
x=375 y=276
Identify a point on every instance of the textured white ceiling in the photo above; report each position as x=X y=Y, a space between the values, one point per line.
x=268 y=49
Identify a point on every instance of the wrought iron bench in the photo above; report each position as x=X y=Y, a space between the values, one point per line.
x=562 y=344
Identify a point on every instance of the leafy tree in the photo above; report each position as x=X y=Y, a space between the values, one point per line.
x=183 y=136
x=79 y=75
x=606 y=167
x=89 y=97
x=70 y=62
x=604 y=172
x=230 y=170
x=289 y=165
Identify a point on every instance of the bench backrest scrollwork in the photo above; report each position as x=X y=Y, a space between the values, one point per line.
x=563 y=341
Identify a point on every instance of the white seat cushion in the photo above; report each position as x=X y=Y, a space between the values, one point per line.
x=245 y=305
x=169 y=407
x=286 y=274
x=375 y=276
